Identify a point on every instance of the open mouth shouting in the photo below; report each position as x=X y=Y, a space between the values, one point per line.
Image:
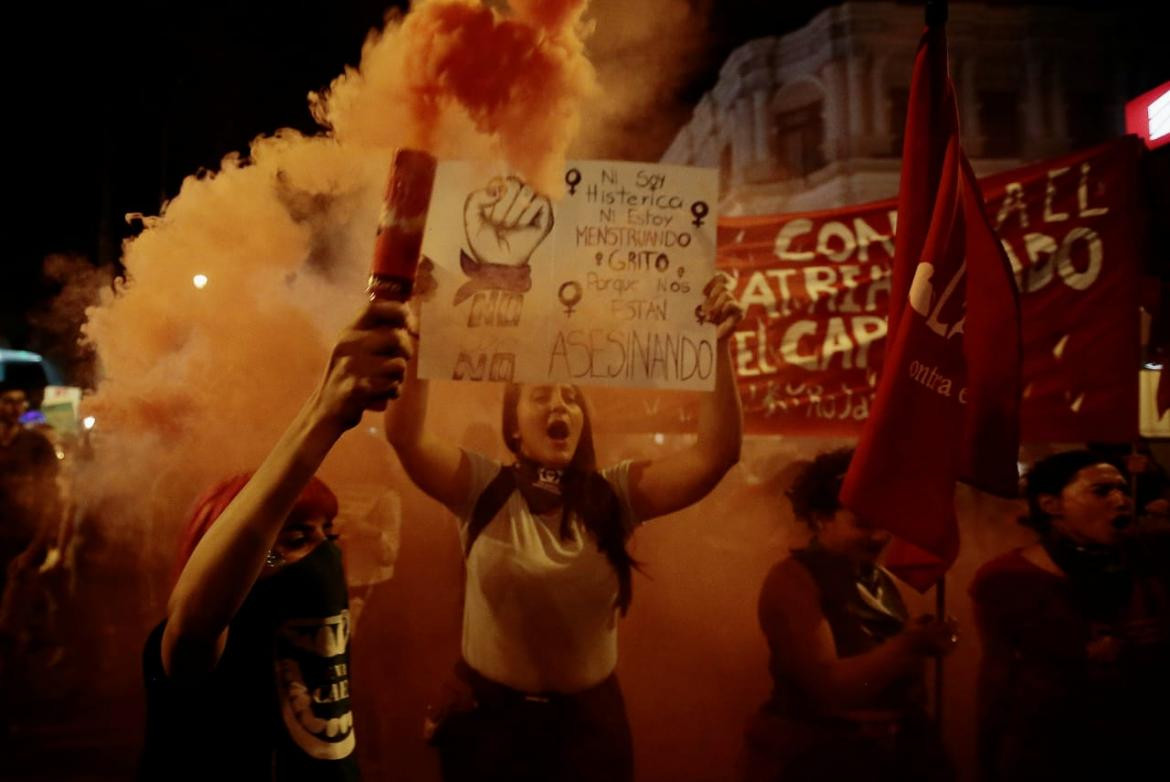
x=558 y=431
x=1122 y=521
x=312 y=674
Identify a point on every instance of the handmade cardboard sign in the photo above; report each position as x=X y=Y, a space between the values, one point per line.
x=603 y=286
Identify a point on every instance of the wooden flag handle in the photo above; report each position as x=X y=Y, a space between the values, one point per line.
x=940 y=610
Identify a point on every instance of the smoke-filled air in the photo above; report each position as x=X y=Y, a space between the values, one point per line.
x=235 y=291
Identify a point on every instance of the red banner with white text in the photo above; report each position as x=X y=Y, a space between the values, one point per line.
x=815 y=287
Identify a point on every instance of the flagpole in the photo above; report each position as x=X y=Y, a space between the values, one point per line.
x=940 y=612
x=937 y=12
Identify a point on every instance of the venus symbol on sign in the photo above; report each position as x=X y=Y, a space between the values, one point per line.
x=570 y=295
x=572 y=179
x=700 y=210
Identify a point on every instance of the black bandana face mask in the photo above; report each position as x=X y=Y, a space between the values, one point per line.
x=540 y=486
x=308 y=607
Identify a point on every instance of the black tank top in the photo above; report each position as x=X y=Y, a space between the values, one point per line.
x=864 y=609
x=863 y=606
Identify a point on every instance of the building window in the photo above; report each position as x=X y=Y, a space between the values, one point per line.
x=899 y=98
x=999 y=119
x=800 y=138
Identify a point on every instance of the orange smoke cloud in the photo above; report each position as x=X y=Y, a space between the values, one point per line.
x=466 y=81
x=57 y=325
x=198 y=381
x=644 y=54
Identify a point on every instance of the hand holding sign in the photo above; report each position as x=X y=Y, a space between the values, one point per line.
x=720 y=307
x=505 y=222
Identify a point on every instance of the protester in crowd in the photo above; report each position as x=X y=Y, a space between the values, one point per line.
x=1073 y=683
x=30 y=514
x=847 y=665
x=29 y=499
x=548 y=569
x=248 y=675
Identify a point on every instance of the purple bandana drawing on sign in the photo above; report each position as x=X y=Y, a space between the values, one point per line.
x=505 y=221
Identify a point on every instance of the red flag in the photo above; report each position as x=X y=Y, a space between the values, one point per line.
x=947 y=403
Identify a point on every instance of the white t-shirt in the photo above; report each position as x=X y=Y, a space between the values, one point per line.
x=539 y=612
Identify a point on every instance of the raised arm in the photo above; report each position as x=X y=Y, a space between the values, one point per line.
x=436 y=466
x=364 y=370
x=682 y=478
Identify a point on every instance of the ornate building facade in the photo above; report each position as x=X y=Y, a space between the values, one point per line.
x=813 y=119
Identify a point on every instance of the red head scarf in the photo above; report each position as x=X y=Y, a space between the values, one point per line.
x=316 y=499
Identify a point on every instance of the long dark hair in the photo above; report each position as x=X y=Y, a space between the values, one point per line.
x=583 y=490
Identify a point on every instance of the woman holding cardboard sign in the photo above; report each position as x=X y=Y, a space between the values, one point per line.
x=548 y=569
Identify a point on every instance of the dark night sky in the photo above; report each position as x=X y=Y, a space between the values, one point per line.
x=111 y=104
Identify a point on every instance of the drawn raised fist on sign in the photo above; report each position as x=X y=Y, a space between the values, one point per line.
x=506 y=221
